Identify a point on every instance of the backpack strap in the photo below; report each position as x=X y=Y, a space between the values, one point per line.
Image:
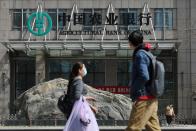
x=153 y=63
x=147 y=53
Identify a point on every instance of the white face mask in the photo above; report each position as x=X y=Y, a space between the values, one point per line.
x=84 y=71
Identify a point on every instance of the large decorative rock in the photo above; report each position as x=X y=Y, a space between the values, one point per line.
x=40 y=102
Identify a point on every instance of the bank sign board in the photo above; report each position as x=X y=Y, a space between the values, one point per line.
x=36 y=23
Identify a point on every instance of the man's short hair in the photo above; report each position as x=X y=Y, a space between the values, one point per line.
x=136 y=38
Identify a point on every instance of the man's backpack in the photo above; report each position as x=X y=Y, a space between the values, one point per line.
x=157 y=79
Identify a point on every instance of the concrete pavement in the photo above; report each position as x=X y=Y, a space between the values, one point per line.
x=102 y=128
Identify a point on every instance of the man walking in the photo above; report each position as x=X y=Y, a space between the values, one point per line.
x=145 y=105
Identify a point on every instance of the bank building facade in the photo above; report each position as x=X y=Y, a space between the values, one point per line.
x=41 y=39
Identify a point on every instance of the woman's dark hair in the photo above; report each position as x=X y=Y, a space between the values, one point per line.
x=136 y=38
x=75 y=71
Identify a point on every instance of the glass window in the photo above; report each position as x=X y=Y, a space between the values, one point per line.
x=99 y=66
x=123 y=19
x=168 y=65
x=54 y=66
x=122 y=66
x=96 y=72
x=17 y=19
x=89 y=79
x=87 y=19
x=64 y=75
x=98 y=19
x=169 y=19
x=31 y=79
x=163 y=16
x=20 y=68
x=169 y=81
x=129 y=70
x=129 y=19
x=89 y=65
x=122 y=79
x=65 y=66
x=123 y=72
x=62 y=19
x=62 y=68
x=133 y=19
x=53 y=15
x=158 y=19
x=26 y=14
x=59 y=68
x=25 y=75
x=30 y=69
x=99 y=79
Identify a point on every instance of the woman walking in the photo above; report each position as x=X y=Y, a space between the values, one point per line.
x=80 y=114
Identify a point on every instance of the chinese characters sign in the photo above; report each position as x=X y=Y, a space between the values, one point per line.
x=111 y=19
x=114 y=89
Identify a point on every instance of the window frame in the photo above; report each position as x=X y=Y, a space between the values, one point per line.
x=160 y=26
x=16 y=27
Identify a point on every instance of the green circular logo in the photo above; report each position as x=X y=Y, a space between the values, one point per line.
x=39 y=23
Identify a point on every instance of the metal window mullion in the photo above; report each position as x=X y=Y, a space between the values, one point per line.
x=93 y=27
x=22 y=24
x=170 y=13
x=163 y=23
x=128 y=18
x=172 y=19
x=57 y=23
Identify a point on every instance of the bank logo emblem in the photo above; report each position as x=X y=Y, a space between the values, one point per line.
x=36 y=23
